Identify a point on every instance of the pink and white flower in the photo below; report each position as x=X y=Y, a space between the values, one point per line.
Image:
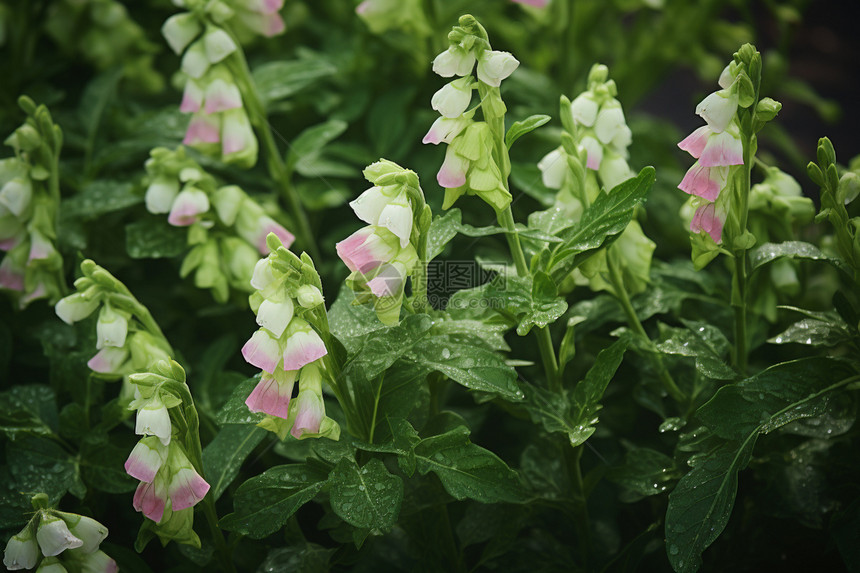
x=146 y=459
x=303 y=345
x=710 y=220
x=714 y=149
x=186 y=487
x=180 y=29
x=593 y=150
x=262 y=351
x=389 y=281
x=108 y=360
x=16 y=195
x=237 y=135
x=111 y=328
x=452 y=173
x=584 y=109
x=272 y=393
x=160 y=194
x=98 y=562
x=275 y=316
x=365 y=250
x=609 y=122
x=150 y=498
x=187 y=207
x=203 y=128
x=40 y=246
x=87 y=529
x=704 y=182
x=445 y=129
x=309 y=414
x=553 y=168
x=220 y=96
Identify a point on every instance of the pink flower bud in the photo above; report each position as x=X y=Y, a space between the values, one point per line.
x=272 y=394
x=187 y=207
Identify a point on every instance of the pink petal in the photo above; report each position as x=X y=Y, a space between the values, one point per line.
x=203 y=129
x=695 y=143
x=453 y=171
x=723 y=149
x=706 y=219
x=186 y=489
x=262 y=351
x=271 y=226
x=149 y=501
x=303 y=348
x=108 y=360
x=192 y=98
x=271 y=398
x=10 y=278
x=704 y=182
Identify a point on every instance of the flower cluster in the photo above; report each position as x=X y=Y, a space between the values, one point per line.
x=718 y=149
x=127 y=338
x=58 y=541
x=600 y=131
x=470 y=166
x=287 y=347
x=170 y=486
x=382 y=255
x=227 y=228
x=29 y=200
x=212 y=93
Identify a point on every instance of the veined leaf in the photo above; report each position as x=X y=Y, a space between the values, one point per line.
x=700 y=340
x=264 y=503
x=368 y=497
x=769 y=252
x=467 y=470
x=223 y=456
x=588 y=393
x=601 y=223
x=701 y=504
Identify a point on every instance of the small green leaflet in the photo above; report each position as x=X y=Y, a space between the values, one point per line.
x=223 y=456
x=520 y=128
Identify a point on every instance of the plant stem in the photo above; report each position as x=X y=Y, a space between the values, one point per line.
x=739 y=280
x=583 y=522
x=277 y=167
x=624 y=300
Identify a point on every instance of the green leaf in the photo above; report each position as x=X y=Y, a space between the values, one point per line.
x=381 y=348
x=304 y=558
x=263 y=504
x=281 y=79
x=533 y=300
x=468 y=470
x=224 y=455
x=469 y=365
x=520 y=128
x=235 y=411
x=100 y=197
x=352 y=323
x=769 y=252
x=600 y=224
x=818 y=329
x=153 y=238
x=527 y=178
x=588 y=393
x=368 y=497
x=445 y=227
x=307 y=146
x=645 y=472
x=549 y=409
x=701 y=504
x=102 y=465
x=28 y=409
x=40 y=465
x=704 y=342
x=487 y=335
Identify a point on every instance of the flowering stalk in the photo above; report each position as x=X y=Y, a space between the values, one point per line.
x=477 y=160
x=220 y=90
x=227 y=229
x=720 y=180
x=54 y=539
x=393 y=246
x=128 y=338
x=292 y=345
x=32 y=268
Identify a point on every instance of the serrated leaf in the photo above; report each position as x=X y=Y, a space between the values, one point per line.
x=704 y=342
x=701 y=504
x=367 y=497
x=281 y=79
x=154 y=239
x=520 y=128
x=468 y=470
x=263 y=504
x=224 y=455
x=601 y=223
x=585 y=400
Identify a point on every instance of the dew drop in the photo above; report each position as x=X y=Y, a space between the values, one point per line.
x=446 y=354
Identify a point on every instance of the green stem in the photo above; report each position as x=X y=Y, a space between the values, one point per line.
x=633 y=320
x=375 y=408
x=277 y=167
x=582 y=520
x=739 y=280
